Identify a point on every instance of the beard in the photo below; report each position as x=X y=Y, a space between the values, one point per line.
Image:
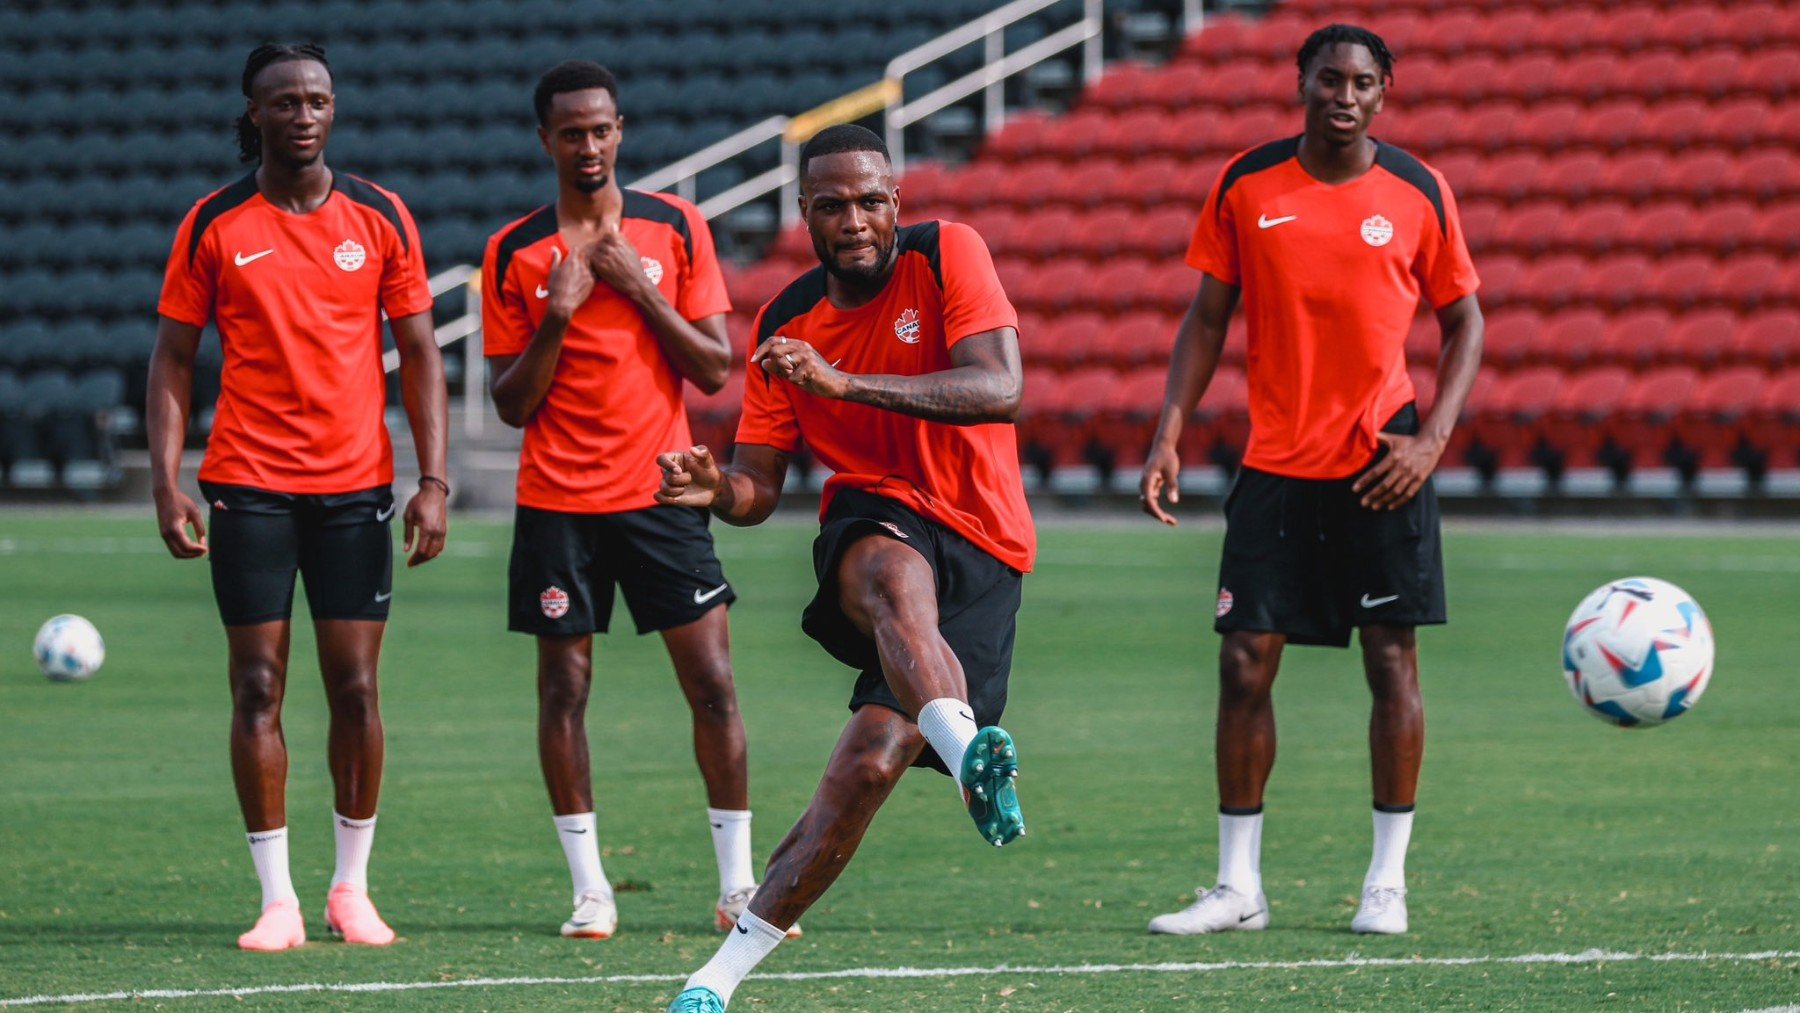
x=857 y=274
x=592 y=184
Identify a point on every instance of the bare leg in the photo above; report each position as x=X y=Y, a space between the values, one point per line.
x=258 y=670
x=1397 y=720
x=701 y=652
x=889 y=593
x=349 y=654
x=1246 y=732
x=565 y=673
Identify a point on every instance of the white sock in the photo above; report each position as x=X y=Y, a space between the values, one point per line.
x=1393 y=831
x=949 y=725
x=580 y=839
x=354 y=839
x=731 y=845
x=1240 y=853
x=742 y=951
x=269 y=850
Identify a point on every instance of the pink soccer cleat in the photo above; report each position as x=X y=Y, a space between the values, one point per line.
x=279 y=928
x=351 y=916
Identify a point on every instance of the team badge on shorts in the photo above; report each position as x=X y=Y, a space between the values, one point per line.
x=554 y=601
x=906 y=327
x=1377 y=231
x=652 y=269
x=1225 y=603
x=895 y=528
x=349 y=255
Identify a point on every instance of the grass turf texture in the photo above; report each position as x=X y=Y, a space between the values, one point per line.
x=1540 y=829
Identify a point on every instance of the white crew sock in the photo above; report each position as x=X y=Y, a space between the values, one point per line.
x=269 y=850
x=731 y=845
x=1393 y=831
x=949 y=725
x=354 y=839
x=1240 y=853
x=742 y=951
x=580 y=839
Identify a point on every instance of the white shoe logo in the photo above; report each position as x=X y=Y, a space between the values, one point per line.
x=702 y=597
x=240 y=260
x=379 y=598
x=382 y=515
x=542 y=292
x=1369 y=603
x=1265 y=222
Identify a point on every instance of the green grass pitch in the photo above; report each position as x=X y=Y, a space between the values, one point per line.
x=1540 y=830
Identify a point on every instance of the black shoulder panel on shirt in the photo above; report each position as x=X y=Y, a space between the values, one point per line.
x=216 y=205
x=641 y=205
x=923 y=238
x=1413 y=171
x=540 y=224
x=358 y=189
x=1268 y=156
x=796 y=300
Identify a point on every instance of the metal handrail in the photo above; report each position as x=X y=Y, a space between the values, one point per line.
x=682 y=174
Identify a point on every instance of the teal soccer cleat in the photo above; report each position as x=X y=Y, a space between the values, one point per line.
x=697 y=1000
x=988 y=768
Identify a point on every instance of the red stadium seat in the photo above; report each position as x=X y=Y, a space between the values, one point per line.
x=1636 y=175
x=1736 y=124
x=1220 y=422
x=1068 y=340
x=1572 y=337
x=1612 y=124
x=1774 y=72
x=1676 y=124
x=1509 y=422
x=1681 y=281
x=1771 y=337
x=1529 y=229
x=1596 y=227
x=1574 y=176
x=1657 y=227
x=1022 y=137
x=1481 y=223
x=1700 y=175
x=1528 y=78
x=1512 y=336
x=1710 y=74
x=1773 y=426
x=1121 y=87
x=713 y=418
x=1553 y=281
x=1721 y=228
x=1564 y=30
x=1575 y=427
x=1766 y=175
x=1500 y=277
x=1749 y=282
x=1508 y=177
x=1644 y=424
x=1700 y=338
x=1551 y=125
x=1635 y=338
x=1139 y=338
x=1129 y=408
x=1712 y=425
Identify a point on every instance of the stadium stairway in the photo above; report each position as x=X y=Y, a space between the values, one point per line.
x=1628 y=176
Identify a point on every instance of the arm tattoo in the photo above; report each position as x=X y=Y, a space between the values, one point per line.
x=966 y=395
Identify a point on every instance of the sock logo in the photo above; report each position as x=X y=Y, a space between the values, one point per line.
x=266 y=837
x=573 y=830
x=742 y=930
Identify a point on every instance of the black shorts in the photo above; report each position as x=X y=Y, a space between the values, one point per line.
x=978 y=604
x=564 y=566
x=342 y=544
x=1304 y=558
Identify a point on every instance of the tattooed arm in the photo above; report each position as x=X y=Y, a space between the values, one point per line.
x=983 y=384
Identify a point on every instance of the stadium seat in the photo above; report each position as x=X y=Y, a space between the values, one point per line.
x=1772 y=427
x=1769 y=338
x=1641 y=430
x=1711 y=431
x=1574 y=432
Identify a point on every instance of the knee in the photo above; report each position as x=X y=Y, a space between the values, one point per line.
x=352 y=696
x=563 y=694
x=1245 y=677
x=713 y=697
x=873 y=770
x=256 y=690
x=1392 y=669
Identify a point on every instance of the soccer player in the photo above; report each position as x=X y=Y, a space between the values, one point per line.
x=296 y=263
x=896 y=361
x=595 y=310
x=1329 y=239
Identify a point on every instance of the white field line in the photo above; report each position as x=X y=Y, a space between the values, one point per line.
x=1594 y=956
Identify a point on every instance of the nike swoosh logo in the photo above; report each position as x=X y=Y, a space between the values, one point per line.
x=702 y=597
x=382 y=515
x=1265 y=222
x=743 y=930
x=240 y=260
x=1369 y=603
x=1244 y=918
x=542 y=292
x=379 y=598
x=583 y=830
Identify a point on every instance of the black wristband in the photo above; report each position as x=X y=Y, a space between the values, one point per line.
x=438 y=481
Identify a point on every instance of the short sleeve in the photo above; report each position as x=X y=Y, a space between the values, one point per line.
x=505 y=326
x=768 y=418
x=405 y=289
x=1443 y=266
x=1213 y=248
x=190 y=280
x=703 y=287
x=974 y=301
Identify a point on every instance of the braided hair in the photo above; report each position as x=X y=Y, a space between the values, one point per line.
x=1332 y=35
x=249 y=138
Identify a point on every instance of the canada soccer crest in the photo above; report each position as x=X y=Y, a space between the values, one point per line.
x=349 y=255
x=906 y=328
x=1377 y=231
x=1225 y=603
x=652 y=269
x=554 y=601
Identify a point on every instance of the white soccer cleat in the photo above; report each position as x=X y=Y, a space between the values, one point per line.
x=1383 y=911
x=1220 y=909
x=595 y=917
x=734 y=904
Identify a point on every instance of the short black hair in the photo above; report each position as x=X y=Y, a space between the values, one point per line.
x=1355 y=35
x=571 y=75
x=845 y=137
x=262 y=57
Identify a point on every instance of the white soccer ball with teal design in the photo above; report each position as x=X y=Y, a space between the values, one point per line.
x=1638 y=652
x=69 y=648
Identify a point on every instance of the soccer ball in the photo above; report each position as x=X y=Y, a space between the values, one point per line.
x=1637 y=652
x=69 y=648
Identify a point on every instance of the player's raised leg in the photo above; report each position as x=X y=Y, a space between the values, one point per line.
x=1396 y=750
x=1248 y=663
x=876 y=748
x=349 y=651
x=889 y=593
x=258 y=670
x=565 y=674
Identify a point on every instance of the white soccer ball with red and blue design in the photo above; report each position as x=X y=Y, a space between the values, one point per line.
x=69 y=648
x=1638 y=652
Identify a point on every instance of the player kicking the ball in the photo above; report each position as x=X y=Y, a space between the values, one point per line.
x=1332 y=524
x=896 y=361
x=296 y=263
x=595 y=310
